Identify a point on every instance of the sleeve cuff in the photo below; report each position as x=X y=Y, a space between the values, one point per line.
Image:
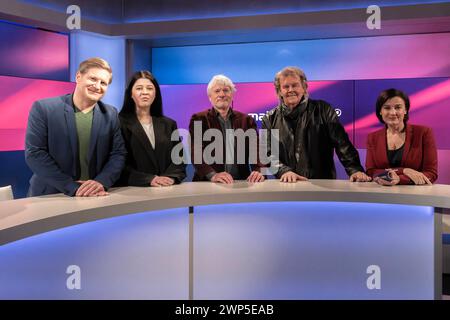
x=71 y=188
x=210 y=175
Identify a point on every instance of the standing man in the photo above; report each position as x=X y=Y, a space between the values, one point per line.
x=73 y=142
x=309 y=133
x=221 y=116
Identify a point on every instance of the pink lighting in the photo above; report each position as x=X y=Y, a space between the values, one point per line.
x=16 y=97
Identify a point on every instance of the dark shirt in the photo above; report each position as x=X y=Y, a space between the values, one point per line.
x=292 y=118
x=225 y=124
x=395 y=157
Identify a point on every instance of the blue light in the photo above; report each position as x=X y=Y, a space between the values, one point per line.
x=276 y=250
x=85 y=45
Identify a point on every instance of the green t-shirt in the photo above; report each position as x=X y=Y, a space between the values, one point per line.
x=84 y=125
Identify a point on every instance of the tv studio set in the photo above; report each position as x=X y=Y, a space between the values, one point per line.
x=225 y=151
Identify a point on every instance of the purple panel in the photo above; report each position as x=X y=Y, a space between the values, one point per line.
x=181 y=101
x=340 y=95
x=33 y=53
x=443 y=167
x=429 y=97
x=16 y=97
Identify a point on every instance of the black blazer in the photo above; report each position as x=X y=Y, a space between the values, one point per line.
x=143 y=162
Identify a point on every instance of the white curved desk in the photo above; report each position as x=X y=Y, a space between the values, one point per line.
x=26 y=217
x=23 y=218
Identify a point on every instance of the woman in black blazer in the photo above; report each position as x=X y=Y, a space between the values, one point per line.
x=147 y=134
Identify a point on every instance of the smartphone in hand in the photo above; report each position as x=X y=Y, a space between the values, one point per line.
x=385 y=176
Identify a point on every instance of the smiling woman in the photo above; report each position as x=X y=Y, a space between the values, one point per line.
x=400 y=153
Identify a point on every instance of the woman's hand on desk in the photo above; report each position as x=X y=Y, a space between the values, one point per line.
x=416 y=176
x=391 y=180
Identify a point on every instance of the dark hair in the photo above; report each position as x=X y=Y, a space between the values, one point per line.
x=129 y=106
x=389 y=94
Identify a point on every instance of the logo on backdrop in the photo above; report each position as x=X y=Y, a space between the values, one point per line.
x=258 y=116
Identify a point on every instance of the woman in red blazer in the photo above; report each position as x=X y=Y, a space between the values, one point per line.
x=400 y=153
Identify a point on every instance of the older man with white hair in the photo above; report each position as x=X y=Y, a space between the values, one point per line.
x=221 y=116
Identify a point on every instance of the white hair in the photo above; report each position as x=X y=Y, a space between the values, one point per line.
x=221 y=79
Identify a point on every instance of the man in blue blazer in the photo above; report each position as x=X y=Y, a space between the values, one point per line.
x=73 y=142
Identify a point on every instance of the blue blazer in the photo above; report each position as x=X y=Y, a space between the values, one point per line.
x=51 y=147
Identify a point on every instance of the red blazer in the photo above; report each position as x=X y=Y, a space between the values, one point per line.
x=419 y=153
x=208 y=119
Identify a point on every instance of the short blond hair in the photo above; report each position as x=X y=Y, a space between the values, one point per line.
x=95 y=63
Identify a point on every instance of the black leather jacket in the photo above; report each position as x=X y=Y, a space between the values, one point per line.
x=308 y=139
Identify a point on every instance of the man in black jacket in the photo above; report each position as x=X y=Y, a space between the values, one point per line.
x=309 y=133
